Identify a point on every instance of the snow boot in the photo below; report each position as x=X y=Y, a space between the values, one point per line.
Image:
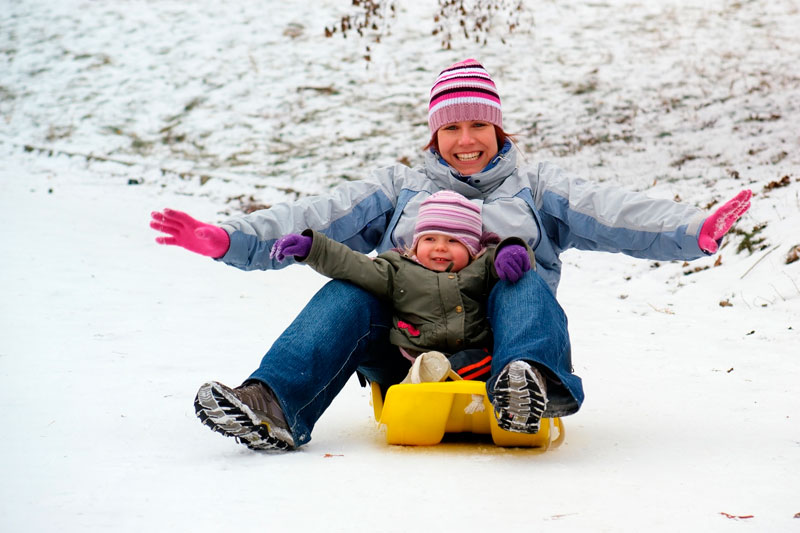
x=250 y=413
x=519 y=398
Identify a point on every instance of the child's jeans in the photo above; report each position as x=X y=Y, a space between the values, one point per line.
x=344 y=329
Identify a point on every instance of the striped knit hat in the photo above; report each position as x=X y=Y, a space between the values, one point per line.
x=464 y=91
x=452 y=214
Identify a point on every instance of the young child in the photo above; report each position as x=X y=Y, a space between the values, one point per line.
x=438 y=288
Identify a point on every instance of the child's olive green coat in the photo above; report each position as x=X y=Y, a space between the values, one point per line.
x=443 y=311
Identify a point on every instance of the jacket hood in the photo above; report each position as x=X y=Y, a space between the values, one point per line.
x=476 y=185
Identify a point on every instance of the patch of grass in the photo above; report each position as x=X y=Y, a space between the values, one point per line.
x=750 y=241
x=328 y=89
x=140 y=145
x=58 y=132
x=777 y=158
x=115 y=130
x=6 y=93
x=755 y=117
x=678 y=163
x=585 y=87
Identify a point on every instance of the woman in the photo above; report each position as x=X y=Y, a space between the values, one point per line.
x=469 y=153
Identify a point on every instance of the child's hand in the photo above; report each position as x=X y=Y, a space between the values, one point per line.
x=718 y=224
x=511 y=262
x=292 y=244
x=186 y=232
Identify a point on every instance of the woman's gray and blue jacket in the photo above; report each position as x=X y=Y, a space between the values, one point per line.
x=545 y=206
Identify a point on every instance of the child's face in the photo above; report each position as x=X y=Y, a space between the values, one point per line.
x=436 y=251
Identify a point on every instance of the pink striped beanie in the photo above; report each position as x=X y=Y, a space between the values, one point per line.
x=452 y=214
x=464 y=91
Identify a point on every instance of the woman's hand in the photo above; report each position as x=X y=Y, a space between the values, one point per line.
x=186 y=232
x=511 y=262
x=718 y=224
x=292 y=244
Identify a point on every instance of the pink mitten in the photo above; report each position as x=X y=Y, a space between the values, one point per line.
x=195 y=236
x=721 y=221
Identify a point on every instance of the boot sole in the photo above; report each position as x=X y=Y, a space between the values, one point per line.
x=224 y=413
x=520 y=404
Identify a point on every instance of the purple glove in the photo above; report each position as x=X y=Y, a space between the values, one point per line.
x=718 y=224
x=292 y=244
x=186 y=232
x=511 y=262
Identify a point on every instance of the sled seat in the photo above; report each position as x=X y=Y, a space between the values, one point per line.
x=421 y=414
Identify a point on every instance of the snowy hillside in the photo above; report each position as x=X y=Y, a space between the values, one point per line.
x=110 y=110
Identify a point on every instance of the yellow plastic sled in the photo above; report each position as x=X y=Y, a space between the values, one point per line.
x=420 y=414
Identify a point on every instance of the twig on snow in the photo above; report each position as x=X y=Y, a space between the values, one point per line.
x=760 y=259
x=664 y=310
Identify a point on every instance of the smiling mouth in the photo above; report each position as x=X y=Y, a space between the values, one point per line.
x=471 y=156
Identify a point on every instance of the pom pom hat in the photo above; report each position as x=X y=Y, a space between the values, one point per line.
x=464 y=91
x=452 y=214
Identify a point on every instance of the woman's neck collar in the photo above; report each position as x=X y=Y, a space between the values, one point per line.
x=507 y=145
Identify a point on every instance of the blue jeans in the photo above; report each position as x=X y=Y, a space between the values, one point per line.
x=529 y=324
x=344 y=329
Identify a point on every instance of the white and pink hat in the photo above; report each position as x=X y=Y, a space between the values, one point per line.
x=452 y=214
x=464 y=91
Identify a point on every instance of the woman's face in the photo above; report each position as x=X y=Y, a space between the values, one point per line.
x=467 y=146
x=436 y=251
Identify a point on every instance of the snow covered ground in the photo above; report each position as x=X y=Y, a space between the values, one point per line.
x=109 y=110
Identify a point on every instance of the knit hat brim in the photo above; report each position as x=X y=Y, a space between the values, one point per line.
x=452 y=214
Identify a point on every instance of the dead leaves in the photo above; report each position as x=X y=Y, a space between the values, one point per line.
x=737 y=517
x=793 y=255
x=248 y=204
x=695 y=270
x=745 y=516
x=783 y=182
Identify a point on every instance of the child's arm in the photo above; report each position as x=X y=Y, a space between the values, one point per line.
x=292 y=244
x=337 y=261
